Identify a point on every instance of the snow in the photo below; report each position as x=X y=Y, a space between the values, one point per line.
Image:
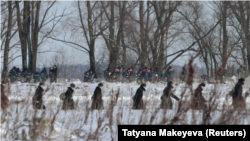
x=247 y=82
x=84 y=124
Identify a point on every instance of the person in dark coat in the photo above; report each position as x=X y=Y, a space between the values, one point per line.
x=97 y=102
x=68 y=102
x=198 y=101
x=166 y=102
x=139 y=75
x=28 y=76
x=44 y=71
x=37 y=100
x=169 y=74
x=238 y=100
x=183 y=73
x=107 y=74
x=137 y=99
x=44 y=74
x=88 y=76
x=4 y=98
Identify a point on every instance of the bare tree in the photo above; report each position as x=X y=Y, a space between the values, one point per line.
x=88 y=30
x=137 y=29
x=202 y=35
x=8 y=36
x=30 y=28
x=4 y=21
x=164 y=12
x=241 y=10
x=23 y=29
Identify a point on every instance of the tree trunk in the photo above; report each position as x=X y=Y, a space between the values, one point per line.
x=144 y=54
x=120 y=38
x=242 y=14
x=21 y=25
x=113 y=48
x=7 y=42
x=112 y=59
x=206 y=64
x=224 y=39
x=30 y=36
x=26 y=32
x=160 y=59
x=243 y=52
x=154 y=56
x=215 y=65
x=92 y=40
x=35 y=37
x=124 y=53
x=248 y=33
x=92 y=57
x=211 y=66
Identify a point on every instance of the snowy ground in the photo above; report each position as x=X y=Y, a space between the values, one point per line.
x=83 y=124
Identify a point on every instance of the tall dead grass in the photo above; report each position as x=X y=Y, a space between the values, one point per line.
x=21 y=122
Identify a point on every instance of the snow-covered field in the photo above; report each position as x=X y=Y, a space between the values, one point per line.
x=21 y=121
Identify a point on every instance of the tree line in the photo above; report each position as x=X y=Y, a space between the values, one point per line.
x=141 y=33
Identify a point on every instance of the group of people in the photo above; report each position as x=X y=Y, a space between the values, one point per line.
x=197 y=100
x=15 y=74
x=53 y=74
x=88 y=76
x=68 y=102
x=143 y=74
x=147 y=74
x=67 y=98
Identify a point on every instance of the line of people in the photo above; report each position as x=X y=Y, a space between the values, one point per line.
x=67 y=97
x=142 y=75
x=15 y=74
x=197 y=101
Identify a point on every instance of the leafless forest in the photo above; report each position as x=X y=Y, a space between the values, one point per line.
x=138 y=33
x=156 y=34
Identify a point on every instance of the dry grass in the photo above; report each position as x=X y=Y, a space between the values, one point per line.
x=21 y=122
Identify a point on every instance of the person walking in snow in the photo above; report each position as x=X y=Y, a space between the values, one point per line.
x=97 y=102
x=166 y=101
x=37 y=100
x=238 y=100
x=68 y=102
x=137 y=98
x=198 y=101
x=169 y=73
